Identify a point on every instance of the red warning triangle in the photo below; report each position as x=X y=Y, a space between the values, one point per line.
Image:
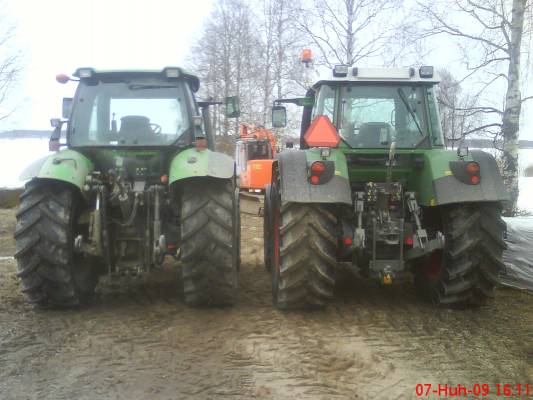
x=322 y=133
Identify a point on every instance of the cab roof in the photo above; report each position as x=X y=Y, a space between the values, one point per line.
x=383 y=75
x=165 y=73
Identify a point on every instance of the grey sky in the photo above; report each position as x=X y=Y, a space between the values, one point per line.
x=60 y=35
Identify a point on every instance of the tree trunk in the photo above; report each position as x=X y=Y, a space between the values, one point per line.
x=350 y=18
x=511 y=115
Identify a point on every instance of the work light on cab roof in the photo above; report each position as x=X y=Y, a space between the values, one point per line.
x=345 y=71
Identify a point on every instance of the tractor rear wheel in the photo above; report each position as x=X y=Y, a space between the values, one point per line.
x=267 y=229
x=51 y=274
x=466 y=271
x=210 y=243
x=304 y=255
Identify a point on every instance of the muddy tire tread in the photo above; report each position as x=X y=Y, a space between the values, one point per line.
x=209 y=259
x=307 y=256
x=472 y=257
x=43 y=237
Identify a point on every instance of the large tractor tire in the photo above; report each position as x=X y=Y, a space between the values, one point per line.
x=210 y=243
x=466 y=272
x=52 y=275
x=267 y=229
x=303 y=259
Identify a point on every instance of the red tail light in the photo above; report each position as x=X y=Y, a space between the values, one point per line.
x=318 y=168
x=472 y=168
x=201 y=144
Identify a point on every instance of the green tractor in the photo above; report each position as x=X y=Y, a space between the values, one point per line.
x=372 y=189
x=138 y=181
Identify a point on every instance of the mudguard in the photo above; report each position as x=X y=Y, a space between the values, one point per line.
x=67 y=165
x=294 y=183
x=448 y=189
x=191 y=163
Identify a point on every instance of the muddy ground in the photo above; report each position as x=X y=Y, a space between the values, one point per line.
x=137 y=340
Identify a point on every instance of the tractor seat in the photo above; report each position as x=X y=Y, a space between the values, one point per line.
x=134 y=128
x=369 y=134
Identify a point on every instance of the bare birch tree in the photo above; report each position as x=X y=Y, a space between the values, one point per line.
x=489 y=33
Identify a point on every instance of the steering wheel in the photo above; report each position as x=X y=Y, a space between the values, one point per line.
x=156 y=128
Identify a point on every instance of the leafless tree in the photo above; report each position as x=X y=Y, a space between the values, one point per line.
x=348 y=31
x=225 y=59
x=248 y=49
x=282 y=43
x=489 y=34
x=10 y=67
x=459 y=113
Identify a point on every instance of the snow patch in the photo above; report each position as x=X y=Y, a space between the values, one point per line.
x=16 y=155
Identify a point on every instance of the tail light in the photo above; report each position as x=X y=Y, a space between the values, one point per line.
x=318 y=168
x=201 y=144
x=472 y=168
x=466 y=172
x=320 y=172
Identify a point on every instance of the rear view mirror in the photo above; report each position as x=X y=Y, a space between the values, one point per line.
x=66 y=107
x=279 y=117
x=462 y=151
x=233 y=109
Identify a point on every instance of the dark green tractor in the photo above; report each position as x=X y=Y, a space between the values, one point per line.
x=139 y=181
x=373 y=189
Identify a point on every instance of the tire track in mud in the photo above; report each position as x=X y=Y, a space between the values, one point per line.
x=138 y=340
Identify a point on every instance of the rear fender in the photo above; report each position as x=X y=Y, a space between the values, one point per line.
x=191 y=163
x=449 y=189
x=294 y=182
x=67 y=166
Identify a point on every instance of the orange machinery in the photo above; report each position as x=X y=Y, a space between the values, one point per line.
x=255 y=151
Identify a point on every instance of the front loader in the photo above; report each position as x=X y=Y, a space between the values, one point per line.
x=374 y=190
x=137 y=182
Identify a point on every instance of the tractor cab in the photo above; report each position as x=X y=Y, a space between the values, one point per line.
x=132 y=108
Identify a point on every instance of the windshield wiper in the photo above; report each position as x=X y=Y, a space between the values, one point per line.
x=403 y=97
x=142 y=87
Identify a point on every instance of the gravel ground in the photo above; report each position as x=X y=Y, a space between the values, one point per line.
x=137 y=340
